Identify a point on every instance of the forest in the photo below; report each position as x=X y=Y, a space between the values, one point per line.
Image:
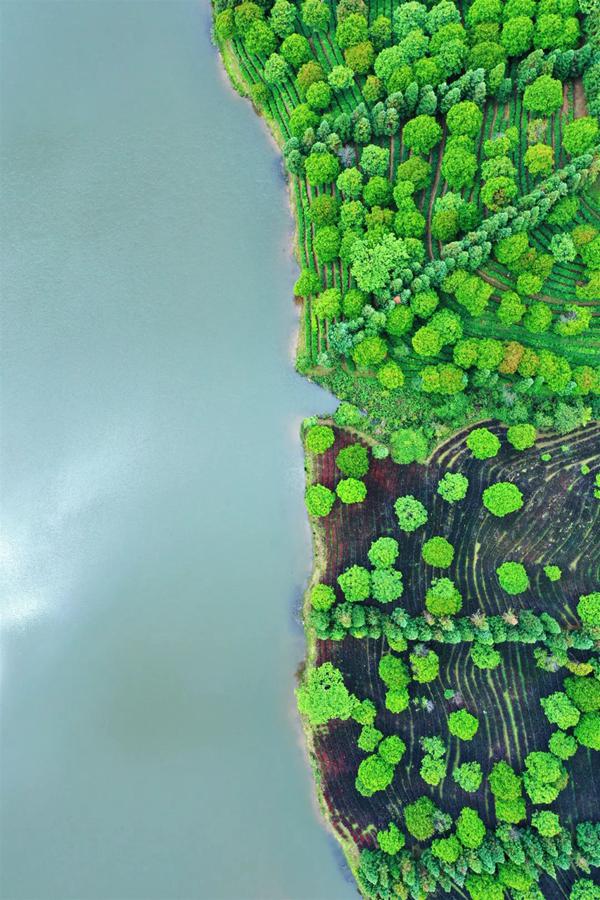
x=443 y=163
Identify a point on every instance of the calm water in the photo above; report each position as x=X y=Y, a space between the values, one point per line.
x=154 y=543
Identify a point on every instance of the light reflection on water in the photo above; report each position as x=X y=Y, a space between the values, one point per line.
x=155 y=539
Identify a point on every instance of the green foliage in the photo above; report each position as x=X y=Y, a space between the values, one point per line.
x=392 y=749
x=546 y=823
x=502 y=498
x=560 y=711
x=453 y=487
x=422 y=134
x=351 y=490
x=355 y=583
x=383 y=552
x=504 y=783
x=469 y=828
x=581 y=135
x=587 y=731
x=368 y=738
x=544 y=777
x=410 y=512
x=322 y=596
x=419 y=818
x=374 y=774
x=353 y=460
x=319 y=500
x=484 y=656
x=447 y=849
x=468 y=776
x=387 y=585
x=438 y=551
x=319 y=438
x=391 y=840
x=543 y=96
x=443 y=598
x=521 y=436
x=425 y=665
x=588 y=609
x=463 y=725
x=465 y=118
x=562 y=745
x=482 y=443
x=583 y=692
x=393 y=672
x=513 y=577
x=324 y=696
x=552 y=573
x=408 y=445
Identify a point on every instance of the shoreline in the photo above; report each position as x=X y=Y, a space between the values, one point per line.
x=230 y=72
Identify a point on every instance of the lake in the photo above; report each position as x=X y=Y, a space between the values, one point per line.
x=155 y=545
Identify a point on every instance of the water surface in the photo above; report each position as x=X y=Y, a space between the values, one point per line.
x=154 y=542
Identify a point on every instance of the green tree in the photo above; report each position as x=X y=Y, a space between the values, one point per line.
x=427 y=341
x=387 y=585
x=355 y=583
x=470 y=829
x=453 y=487
x=587 y=731
x=448 y=849
x=543 y=96
x=410 y=512
x=319 y=438
x=324 y=696
x=319 y=500
x=562 y=745
x=322 y=596
x=513 y=577
x=295 y=49
x=560 y=711
x=504 y=783
x=463 y=724
x=443 y=598
x=369 y=352
x=283 y=18
x=517 y=35
x=383 y=552
x=521 y=436
x=502 y=498
x=482 y=443
x=465 y=118
x=581 y=135
x=392 y=749
x=328 y=304
x=484 y=656
x=539 y=159
x=419 y=818
x=321 y=168
x=468 y=776
x=353 y=460
x=584 y=692
x=588 y=609
x=422 y=134
x=511 y=308
x=425 y=664
x=315 y=15
x=408 y=445
x=438 y=551
x=374 y=774
x=351 y=490
x=391 y=840
x=393 y=672
x=368 y=738
x=546 y=823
